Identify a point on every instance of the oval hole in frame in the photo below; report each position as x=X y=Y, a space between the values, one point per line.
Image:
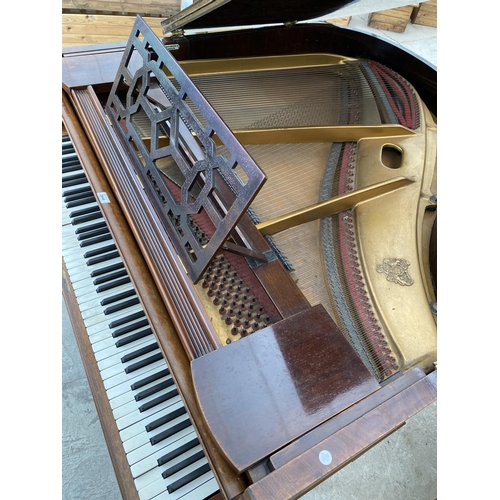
x=392 y=156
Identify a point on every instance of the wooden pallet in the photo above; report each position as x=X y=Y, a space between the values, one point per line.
x=394 y=20
x=86 y=29
x=425 y=14
x=86 y=22
x=156 y=8
x=340 y=21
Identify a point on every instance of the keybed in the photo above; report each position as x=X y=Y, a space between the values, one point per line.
x=162 y=448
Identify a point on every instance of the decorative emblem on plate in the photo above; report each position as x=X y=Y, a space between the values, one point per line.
x=396 y=271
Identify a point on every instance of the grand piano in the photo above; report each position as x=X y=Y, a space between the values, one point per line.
x=249 y=246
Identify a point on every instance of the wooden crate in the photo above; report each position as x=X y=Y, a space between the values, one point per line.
x=86 y=22
x=87 y=29
x=340 y=21
x=157 y=8
x=394 y=20
x=425 y=14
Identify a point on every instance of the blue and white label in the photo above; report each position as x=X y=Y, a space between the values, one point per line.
x=103 y=197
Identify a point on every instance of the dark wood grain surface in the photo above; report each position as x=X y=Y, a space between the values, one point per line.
x=307 y=470
x=260 y=393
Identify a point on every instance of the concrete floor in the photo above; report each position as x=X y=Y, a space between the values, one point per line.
x=402 y=467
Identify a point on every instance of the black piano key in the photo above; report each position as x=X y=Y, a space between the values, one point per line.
x=144 y=362
x=121 y=305
x=103 y=258
x=107 y=269
x=90 y=227
x=97 y=239
x=74 y=191
x=110 y=277
x=160 y=399
x=84 y=211
x=75 y=177
x=113 y=284
x=183 y=464
x=92 y=234
x=130 y=328
x=83 y=193
x=71 y=167
x=153 y=390
x=178 y=451
x=74 y=182
x=139 y=352
x=149 y=379
x=71 y=164
x=99 y=251
x=158 y=438
x=132 y=338
x=188 y=478
x=126 y=319
x=168 y=417
x=86 y=218
x=119 y=296
x=80 y=202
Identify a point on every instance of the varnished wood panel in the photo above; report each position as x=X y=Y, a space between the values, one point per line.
x=348 y=416
x=324 y=459
x=267 y=389
x=287 y=297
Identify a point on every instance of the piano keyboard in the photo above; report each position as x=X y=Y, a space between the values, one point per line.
x=163 y=451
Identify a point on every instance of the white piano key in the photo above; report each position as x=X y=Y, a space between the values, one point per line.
x=98 y=321
x=103 y=340
x=84 y=271
x=93 y=299
x=151 y=461
x=154 y=473
x=160 y=486
x=202 y=487
x=117 y=369
x=129 y=396
x=137 y=416
x=141 y=436
x=112 y=355
x=124 y=388
x=122 y=377
x=148 y=449
x=96 y=315
x=139 y=425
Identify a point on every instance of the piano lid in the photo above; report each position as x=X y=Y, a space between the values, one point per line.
x=183 y=153
x=225 y=13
